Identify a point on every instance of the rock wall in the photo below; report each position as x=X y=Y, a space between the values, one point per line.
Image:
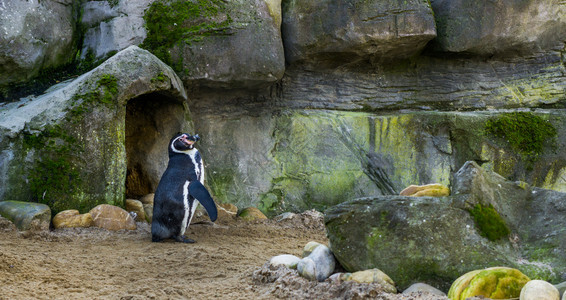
x=35 y=36
x=306 y=104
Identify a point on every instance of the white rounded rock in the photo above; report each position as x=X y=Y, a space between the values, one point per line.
x=290 y=261
x=539 y=290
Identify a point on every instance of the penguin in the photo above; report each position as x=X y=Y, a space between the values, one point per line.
x=174 y=202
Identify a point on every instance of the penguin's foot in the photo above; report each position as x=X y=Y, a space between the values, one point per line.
x=184 y=239
x=156 y=239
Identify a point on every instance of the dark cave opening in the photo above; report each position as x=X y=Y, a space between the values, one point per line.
x=151 y=121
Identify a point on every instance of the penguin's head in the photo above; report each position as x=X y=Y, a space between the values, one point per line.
x=183 y=142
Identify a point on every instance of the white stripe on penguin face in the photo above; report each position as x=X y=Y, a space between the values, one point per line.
x=172 y=146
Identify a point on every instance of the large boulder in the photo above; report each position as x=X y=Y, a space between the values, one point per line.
x=487 y=222
x=343 y=32
x=511 y=27
x=111 y=26
x=35 y=36
x=227 y=44
x=96 y=138
x=26 y=215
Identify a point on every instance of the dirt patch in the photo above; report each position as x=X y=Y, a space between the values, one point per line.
x=226 y=262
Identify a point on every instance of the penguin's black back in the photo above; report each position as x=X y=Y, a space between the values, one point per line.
x=168 y=207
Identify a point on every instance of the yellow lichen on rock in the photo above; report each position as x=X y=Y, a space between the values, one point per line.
x=430 y=190
x=493 y=283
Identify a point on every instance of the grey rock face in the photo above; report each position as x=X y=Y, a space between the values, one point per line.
x=112 y=28
x=85 y=143
x=430 y=83
x=344 y=32
x=219 y=44
x=35 y=35
x=509 y=27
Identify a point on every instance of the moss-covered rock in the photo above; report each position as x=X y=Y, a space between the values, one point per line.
x=488 y=221
x=412 y=239
x=526 y=133
x=251 y=214
x=493 y=283
x=234 y=44
x=68 y=148
x=26 y=215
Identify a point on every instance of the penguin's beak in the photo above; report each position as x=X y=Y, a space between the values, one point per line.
x=185 y=140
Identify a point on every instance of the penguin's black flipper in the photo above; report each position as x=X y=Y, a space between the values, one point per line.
x=199 y=192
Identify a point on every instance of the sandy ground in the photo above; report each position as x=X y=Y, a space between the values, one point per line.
x=225 y=263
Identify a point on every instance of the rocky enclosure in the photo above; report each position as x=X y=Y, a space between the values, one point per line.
x=304 y=104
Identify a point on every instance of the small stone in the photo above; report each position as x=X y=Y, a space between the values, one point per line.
x=423 y=287
x=318 y=265
x=284 y=216
x=290 y=261
x=26 y=215
x=539 y=290
x=336 y=278
x=112 y=218
x=306 y=268
x=251 y=214
x=136 y=206
x=430 y=190
x=147 y=199
x=309 y=248
x=71 y=219
x=371 y=276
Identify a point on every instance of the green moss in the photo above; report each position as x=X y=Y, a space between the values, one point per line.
x=489 y=222
x=104 y=92
x=54 y=178
x=495 y=283
x=159 y=78
x=113 y=3
x=270 y=202
x=174 y=22
x=109 y=85
x=525 y=132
